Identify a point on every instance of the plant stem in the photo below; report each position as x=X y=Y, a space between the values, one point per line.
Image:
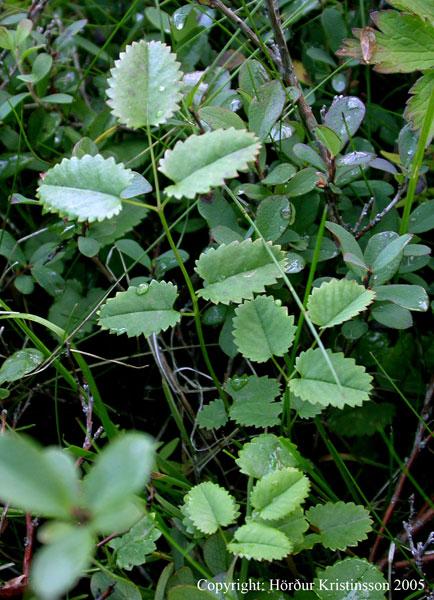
x=187 y=279
x=417 y=162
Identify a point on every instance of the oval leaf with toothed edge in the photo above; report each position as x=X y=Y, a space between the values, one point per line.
x=263 y=329
x=209 y=507
x=236 y=271
x=256 y=541
x=202 y=162
x=336 y=301
x=86 y=189
x=144 y=88
x=318 y=385
x=279 y=493
x=359 y=572
x=141 y=310
x=340 y=524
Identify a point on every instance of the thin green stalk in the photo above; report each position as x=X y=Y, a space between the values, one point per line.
x=308 y=288
x=185 y=274
x=417 y=163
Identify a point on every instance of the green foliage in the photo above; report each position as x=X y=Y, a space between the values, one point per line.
x=141 y=310
x=263 y=329
x=340 y=525
x=267 y=453
x=19 y=364
x=360 y=572
x=279 y=493
x=236 y=271
x=260 y=542
x=205 y=161
x=144 y=88
x=317 y=383
x=336 y=301
x=209 y=506
x=86 y=189
x=134 y=546
x=254 y=401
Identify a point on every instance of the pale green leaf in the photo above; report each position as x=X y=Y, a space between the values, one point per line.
x=254 y=404
x=309 y=156
x=20 y=364
x=317 y=383
x=141 y=310
x=256 y=541
x=267 y=453
x=189 y=592
x=336 y=301
x=30 y=482
x=417 y=105
x=329 y=139
x=212 y=415
x=86 y=189
x=405 y=43
x=58 y=566
x=366 y=580
x=263 y=329
x=134 y=546
x=279 y=493
x=58 y=99
x=144 y=88
x=340 y=524
x=209 y=507
x=204 y=161
x=122 y=469
x=234 y=272
x=422 y=218
x=422 y=8
x=411 y=297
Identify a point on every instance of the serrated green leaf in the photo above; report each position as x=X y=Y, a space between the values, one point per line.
x=361 y=421
x=263 y=329
x=340 y=524
x=412 y=297
x=59 y=565
x=202 y=162
x=256 y=541
x=422 y=8
x=279 y=493
x=134 y=546
x=236 y=271
x=267 y=453
x=212 y=415
x=141 y=310
x=356 y=571
x=86 y=189
x=209 y=507
x=144 y=88
x=254 y=401
x=20 y=364
x=336 y=301
x=317 y=384
x=405 y=43
x=418 y=103
x=30 y=482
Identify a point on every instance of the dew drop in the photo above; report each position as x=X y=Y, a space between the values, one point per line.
x=161 y=88
x=237 y=383
x=285 y=212
x=142 y=289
